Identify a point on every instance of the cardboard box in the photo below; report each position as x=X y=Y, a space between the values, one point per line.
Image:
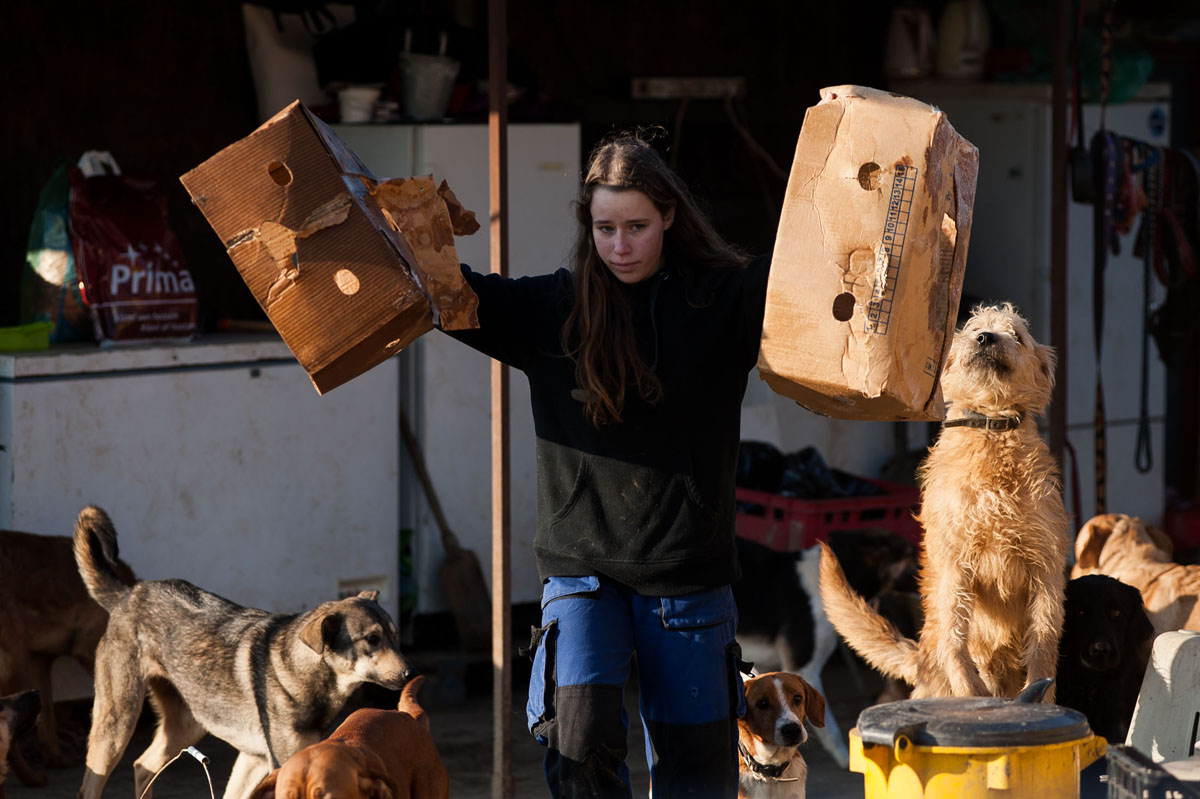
x=869 y=257
x=346 y=282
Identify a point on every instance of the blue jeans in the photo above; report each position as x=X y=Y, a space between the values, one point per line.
x=690 y=689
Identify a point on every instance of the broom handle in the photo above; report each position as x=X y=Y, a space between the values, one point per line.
x=418 y=460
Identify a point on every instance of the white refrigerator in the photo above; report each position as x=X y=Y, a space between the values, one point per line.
x=1009 y=259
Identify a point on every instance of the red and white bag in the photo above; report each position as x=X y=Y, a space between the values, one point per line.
x=131 y=269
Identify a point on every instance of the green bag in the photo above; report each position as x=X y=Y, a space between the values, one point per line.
x=49 y=281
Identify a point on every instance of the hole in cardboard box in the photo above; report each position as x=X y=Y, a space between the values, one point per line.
x=279 y=173
x=843 y=306
x=347 y=281
x=868 y=176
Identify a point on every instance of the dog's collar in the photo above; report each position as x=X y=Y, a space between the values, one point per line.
x=764 y=771
x=973 y=419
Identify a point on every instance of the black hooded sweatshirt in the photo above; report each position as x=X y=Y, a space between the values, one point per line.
x=647 y=502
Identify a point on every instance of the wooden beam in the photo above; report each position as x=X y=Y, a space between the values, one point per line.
x=502 y=776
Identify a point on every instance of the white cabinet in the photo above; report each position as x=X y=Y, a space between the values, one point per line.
x=1009 y=259
x=217 y=462
x=447 y=385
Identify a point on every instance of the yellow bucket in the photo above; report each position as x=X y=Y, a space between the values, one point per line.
x=957 y=748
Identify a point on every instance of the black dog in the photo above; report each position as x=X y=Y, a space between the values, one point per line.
x=1103 y=652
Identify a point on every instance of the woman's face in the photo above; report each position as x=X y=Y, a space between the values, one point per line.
x=628 y=231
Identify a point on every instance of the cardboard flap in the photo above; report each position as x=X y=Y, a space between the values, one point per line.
x=415 y=208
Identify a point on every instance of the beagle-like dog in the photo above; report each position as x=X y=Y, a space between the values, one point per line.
x=771 y=732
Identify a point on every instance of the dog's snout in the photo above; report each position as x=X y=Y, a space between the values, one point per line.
x=986 y=338
x=791 y=734
x=410 y=672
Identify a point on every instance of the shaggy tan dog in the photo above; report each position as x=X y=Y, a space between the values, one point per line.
x=994 y=561
x=1139 y=554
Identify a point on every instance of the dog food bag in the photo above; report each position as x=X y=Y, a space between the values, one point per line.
x=869 y=257
x=131 y=270
x=349 y=269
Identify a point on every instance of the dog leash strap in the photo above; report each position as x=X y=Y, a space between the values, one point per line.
x=1107 y=161
x=1152 y=183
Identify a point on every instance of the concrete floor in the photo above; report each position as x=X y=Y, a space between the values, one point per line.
x=461 y=720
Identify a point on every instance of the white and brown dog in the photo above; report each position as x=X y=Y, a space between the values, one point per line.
x=771 y=732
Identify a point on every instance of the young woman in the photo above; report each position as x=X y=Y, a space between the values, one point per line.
x=637 y=359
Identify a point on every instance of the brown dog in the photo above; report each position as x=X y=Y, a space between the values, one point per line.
x=373 y=754
x=45 y=612
x=994 y=562
x=771 y=732
x=1139 y=554
x=18 y=713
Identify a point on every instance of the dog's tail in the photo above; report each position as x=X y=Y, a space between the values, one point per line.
x=870 y=635
x=408 y=701
x=106 y=577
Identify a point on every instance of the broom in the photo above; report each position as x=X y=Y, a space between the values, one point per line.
x=462 y=576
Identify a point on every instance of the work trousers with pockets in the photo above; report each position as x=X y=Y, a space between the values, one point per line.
x=691 y=692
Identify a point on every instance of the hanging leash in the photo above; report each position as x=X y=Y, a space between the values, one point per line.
x=1152 y=167
x=1107 y=162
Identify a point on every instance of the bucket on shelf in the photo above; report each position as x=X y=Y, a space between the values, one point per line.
x=428 y=81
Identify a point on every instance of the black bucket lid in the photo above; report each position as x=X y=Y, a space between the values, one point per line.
x=972 y=722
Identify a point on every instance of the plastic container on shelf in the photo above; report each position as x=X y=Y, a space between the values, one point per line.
x=789 y=524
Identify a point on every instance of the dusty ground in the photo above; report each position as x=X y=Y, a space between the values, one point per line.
x=461 y=717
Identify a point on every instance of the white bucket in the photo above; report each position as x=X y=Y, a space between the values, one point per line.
x=428 y=80
x=357 y=103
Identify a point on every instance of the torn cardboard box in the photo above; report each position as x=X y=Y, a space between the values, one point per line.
x=869 y=257
x=349 y=270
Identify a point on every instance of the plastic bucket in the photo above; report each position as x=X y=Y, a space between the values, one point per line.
x=428 y=80
x=357 y=103
x=971 y=747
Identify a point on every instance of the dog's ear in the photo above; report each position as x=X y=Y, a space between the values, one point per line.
x=1161 y=540
x=814 y=706
x=320 y=631
x=266 y=788
x=370 y=596
x=1047 y=359
x=373 y=779
x=1139 y=635
x=1090 y=542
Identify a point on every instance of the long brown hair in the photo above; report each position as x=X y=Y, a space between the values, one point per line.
x=599 y=333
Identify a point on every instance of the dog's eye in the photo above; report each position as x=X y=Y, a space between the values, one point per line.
x=762 y=704
x=798 y=699
x=1114 y=614
x=374 y=639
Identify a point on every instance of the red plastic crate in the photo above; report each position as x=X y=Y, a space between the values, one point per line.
x=790 y=524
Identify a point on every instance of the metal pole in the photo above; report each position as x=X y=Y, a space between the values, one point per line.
x=1058 y=223
x=502 y=777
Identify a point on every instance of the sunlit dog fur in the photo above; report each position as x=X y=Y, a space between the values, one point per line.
x=994 y=561
x=771 y=732
x=1139 y=554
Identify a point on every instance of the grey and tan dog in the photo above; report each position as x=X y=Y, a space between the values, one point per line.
x=267 y=684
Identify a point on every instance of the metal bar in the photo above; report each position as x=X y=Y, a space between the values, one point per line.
x=1058 y=223
x=502 y=776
